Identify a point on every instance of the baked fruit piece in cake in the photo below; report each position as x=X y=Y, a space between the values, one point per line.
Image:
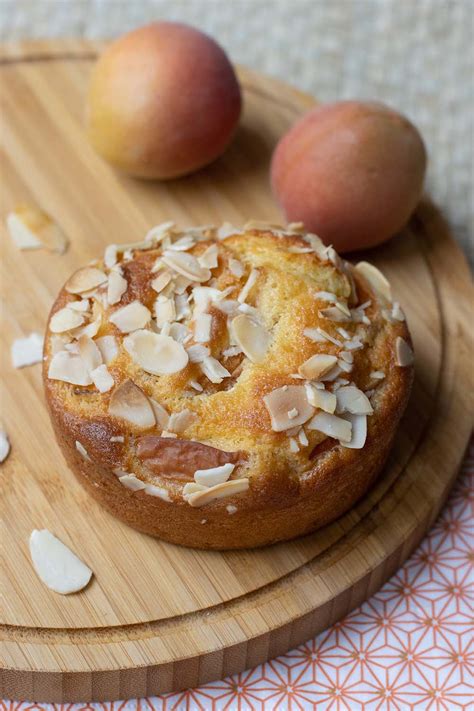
x=226 y=388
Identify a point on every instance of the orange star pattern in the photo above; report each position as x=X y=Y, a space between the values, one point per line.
x=409 y=648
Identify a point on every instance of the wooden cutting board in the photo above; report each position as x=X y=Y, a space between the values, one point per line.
x=157 y=617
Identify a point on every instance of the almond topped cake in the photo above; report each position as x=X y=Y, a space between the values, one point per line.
x=226 y=388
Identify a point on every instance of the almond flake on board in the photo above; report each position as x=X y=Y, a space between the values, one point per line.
x=403 y=353
x=70 y=368
x=247 y=287
x=129 y=402
x=27 y=351
x=131 y=317
x=359 y=431
x=132 y=482
x=102 y=379
x=65 y=320
x=252 y=337
x=82 y=451
x=331 y=426
x=317 y=365
x=116 y=287
x=228 y=488
x=321 y=399
x=281 y=401
x=85 y=279
x=156 y=353
x=186 y=264
x=56 y=565
x=208 y=258
x=213 y=370
x=4 y=445
x=213 y=475
x=351 y=399
x=32 y=228
x=376 y=279
x=108 y=347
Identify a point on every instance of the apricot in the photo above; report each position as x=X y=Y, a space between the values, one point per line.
x=352 y=172
x=163 y=101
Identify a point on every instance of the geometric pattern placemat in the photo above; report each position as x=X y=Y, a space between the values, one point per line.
x=410 y=646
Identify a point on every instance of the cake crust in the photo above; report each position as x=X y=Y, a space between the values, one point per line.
x=282 y=484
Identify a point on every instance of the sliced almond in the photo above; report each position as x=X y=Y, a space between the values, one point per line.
x=351 y=399
x=321 y=399
x=110 y=256
x=317 y=365
x=359 y=431
x=214 y=475
x=281 y=401
x=161 y=414
x=83 y=305
x=180 y=421
x=198 y=353
x=165 y=310
x=187 y=265
x=108 y=348
x=159 y=232
x=182 y=244
x=249 y=284
x=376 y=279
x=397 y=312
x=4 y=445
x=27 y=351
x=213 y=370
x=85 y=279
x=202 y=328
x=116 y=287
x=192 y=488
x=131 y=317
x=319 y=335
x=129 y=402
x=208 y=259
x=31 y=228
x=377 y=375
x=56 y=565
x=325 y=296
x=333 y=313
x=69 y=368
x=228 y=488
x=82 y=451
x=64 y=320
x=236 y=268
x=89 y=353
x=158 y=491
x=294 y=446
x=102 y=379
x=162 y=280
x=251 y=336
x=403 y=353
x=331 y=426
x=155 y=353
x=226 y=230
x=132 y=482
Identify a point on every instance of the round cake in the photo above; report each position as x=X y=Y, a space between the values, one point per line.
x=226 y=388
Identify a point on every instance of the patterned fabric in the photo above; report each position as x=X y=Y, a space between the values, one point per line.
x=416 y=55
x=411 y=646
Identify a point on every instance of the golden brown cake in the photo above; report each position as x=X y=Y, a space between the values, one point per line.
x=225 y=388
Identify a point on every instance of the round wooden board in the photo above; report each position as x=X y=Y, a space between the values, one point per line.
x=157 y=617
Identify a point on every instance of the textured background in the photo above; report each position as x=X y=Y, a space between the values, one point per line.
x=417 y=55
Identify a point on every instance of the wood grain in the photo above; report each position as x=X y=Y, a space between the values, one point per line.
x=157 y=617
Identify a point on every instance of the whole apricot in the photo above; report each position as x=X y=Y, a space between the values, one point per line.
x=163 y=101
x=352 y=172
